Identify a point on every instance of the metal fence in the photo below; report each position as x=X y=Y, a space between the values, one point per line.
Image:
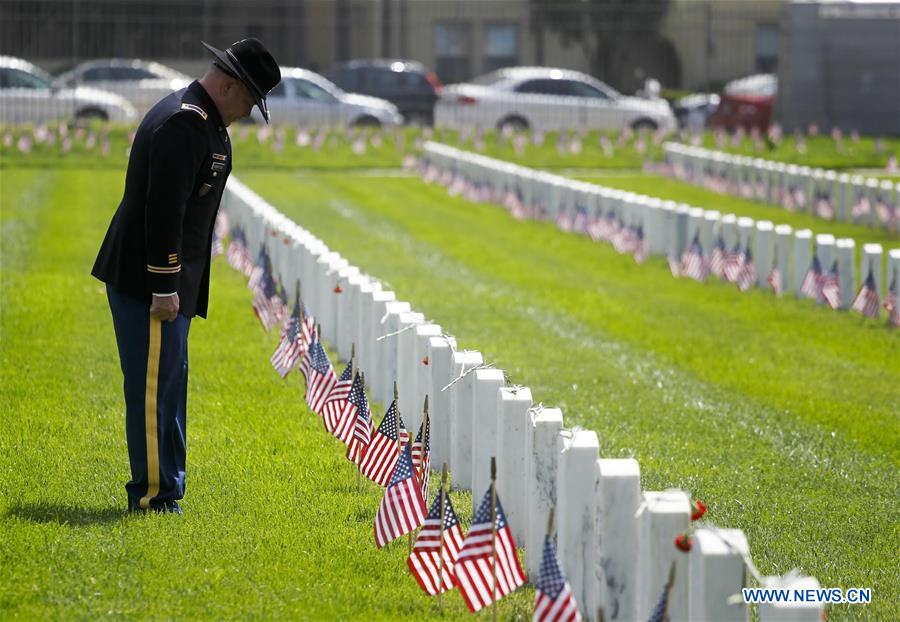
x=687 y=45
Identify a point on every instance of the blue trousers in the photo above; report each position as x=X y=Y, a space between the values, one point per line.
x=154 y=358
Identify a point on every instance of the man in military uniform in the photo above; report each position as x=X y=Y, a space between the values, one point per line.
x=155 y=259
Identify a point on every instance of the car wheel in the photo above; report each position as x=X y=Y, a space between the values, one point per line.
x=645 y=124
x=367 y=121
x=514 y=123
x=91 y=114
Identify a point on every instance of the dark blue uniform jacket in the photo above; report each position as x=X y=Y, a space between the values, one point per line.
x=160 y=236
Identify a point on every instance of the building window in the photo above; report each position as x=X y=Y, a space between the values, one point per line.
x=766 y=47
x=501 y=46
x=452 y=46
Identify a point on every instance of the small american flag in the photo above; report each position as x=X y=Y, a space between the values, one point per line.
x=425 y=559
x=732 y=263
x=553 y=598
x=660 y=612
x=476 y=568
x=320 y=376
x=640 y=245
x=219 y=232
x=811 y=286
x=564 y=220
x=824 y=209
x=693 y=264
x=402 y=508
x=260 y=268
x=890 y=302
x=579 y=223
x=624 y=240
x=675 y=266
x=265 y=292
x=356 y=424
x=867 y=300
x=831 y=287
x=861 y=206
x=290 y=348
x=717 y=258
x=774 y=280
x=384 y=448
x=421 y=454
x=336 y=404
x=747 y=276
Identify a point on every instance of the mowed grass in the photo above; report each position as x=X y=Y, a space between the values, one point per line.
x=274 y=527
x=781 y=415
x=682 y=192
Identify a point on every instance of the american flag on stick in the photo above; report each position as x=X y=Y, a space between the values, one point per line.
x=264 y=294
x=717 y=258
x=402 y=508
x=675 y=266
x=260 y=267
x=290 y=349
x=660 y=612
x=890 y=302
x=693 y=263
x=746 y=278
x=831 y=287
x=337 y=403
x=640 y=245
x=487 y=568
x=732 y=263
x=356 y=425
x=236 y=253
x=421 y=451
x=320 y=376
x=774 y=279
x=867 y=300
x=811 y=286
x=385 y=447
x=553 y=597
x=219 y=232
x=437 y=546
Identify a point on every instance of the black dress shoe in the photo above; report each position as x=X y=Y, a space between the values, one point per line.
x=168 y=507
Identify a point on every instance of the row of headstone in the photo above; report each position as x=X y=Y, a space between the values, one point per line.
x=668 y=228
x=823 y=193
x=615 y=541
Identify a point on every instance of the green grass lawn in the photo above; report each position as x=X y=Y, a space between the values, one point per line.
x=672 y=189
x=782 y=416
x=273 y=526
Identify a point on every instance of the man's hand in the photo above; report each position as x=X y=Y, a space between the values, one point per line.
x=164 y=308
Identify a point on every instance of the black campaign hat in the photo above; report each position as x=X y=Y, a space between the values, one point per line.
x=249 y=61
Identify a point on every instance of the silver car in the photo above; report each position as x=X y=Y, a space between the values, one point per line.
x=544 y=98
x=142 y=83
x=27 y=95
x=305 y=98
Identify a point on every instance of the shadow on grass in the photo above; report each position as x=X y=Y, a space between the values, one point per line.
x=66 y=514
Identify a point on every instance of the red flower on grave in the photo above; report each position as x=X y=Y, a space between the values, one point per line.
x=698 y=509
x=337 y=289
x=425 y=360
x=683 y=542
x=286 y=240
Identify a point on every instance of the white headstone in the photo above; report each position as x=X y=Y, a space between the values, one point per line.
x=387 y=359
x=541 y=482
x=421 y=385
x=512 y=457
x=763 y=252
x=871 y=260
x=783 y=238
x=717 y=573
x=375 y=373
x=707 y=230
x=440 y=364
x=728 y=227
x=845 y=250
x=791 y=611
x=407 y=365
x=661 y=517
x=461 y=399
x=349 y=321
x=619 y=499
x=893 y=272
x=745 y=231
x=485 y=410
x=802 y=256
x=825 y=251
x=576 y=513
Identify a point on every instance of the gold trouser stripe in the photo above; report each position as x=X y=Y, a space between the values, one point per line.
x=150 y=412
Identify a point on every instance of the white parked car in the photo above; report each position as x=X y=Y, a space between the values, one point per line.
x=28 y=96
x=543 y=98
x=140 y=82
x=304 y=97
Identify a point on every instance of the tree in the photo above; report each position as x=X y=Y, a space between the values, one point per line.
x=604 y=29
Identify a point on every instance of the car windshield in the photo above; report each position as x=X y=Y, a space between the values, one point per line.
x=12 y=78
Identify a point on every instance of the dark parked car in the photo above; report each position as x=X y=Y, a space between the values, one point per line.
x=409 y=85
